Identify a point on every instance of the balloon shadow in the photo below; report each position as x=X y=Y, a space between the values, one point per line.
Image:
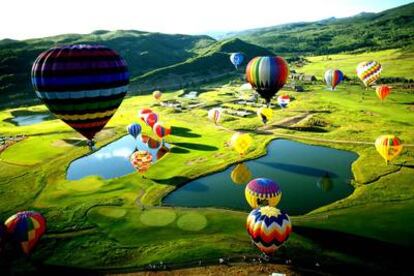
x=183 y=132
x=195 y=146
x=174 y=181
x=309 y=171
x=179 y=150
x=75 y=142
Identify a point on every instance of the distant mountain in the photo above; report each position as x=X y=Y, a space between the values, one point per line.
x=392 y=28
x=143 y=52
x=212 y=63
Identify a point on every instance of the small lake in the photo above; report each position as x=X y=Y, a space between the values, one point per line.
x=28 y=120
x=112 y=160
x=309 y=177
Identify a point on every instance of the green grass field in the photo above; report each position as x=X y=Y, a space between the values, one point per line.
x=97 y=223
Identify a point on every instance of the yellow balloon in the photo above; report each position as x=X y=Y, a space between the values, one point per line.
x=241 y=174
x=241 y=142
x=265 y=114
x=388 y=146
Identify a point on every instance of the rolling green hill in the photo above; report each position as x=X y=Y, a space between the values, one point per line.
x=142 y=50
x=211 y=64
x=392 y=28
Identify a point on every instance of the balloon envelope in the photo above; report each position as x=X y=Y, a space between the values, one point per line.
x=134 y=130
x=214 y=115
x=267 y=75
x=241 y=142
x=26 y=228
x=157 y=94
x=262 y=191
x=161 y=129
x=333 y=78
x=383 y=91
x=241 y=174
x=83 y=85
x=236 y=59
x=269 y=228
x=388 y=146
x=283 y=101
x=141 y=160
x=143 y=112
x=368 y=72
x=150 y=119
x=265 y=114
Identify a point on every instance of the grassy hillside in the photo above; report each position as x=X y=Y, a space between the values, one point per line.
x=396 y=63
x=392 y=28
x=142 y=50
x=212 y=63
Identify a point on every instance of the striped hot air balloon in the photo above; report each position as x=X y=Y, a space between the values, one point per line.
x=26 y=228
x=368 y=72
x=214 y=115
x=150 y=119
x=283 y=101
x=83 y=85
x=267 y=75
x=269 y=228
x=161 y=129
x=134 y=130
x=388 y=146
x=383 y=91
x=261 y=192
x=333 y=77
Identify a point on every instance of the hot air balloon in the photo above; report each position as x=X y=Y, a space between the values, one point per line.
x=368 y=72
x=157 y=94
x=262 y=191
x=150 y=119
x=241 y=174
x=214 y=115
x=134 y=130
x=83 y=85
x=241 y=142
x=283 y=101
x=325 y=183
x=267 y=75
x=236 y=59
x=383 y=91
x=3 y=236
x=269 y=228
x=26 y=228
x=161 y=129
x=333 y=77
x=143 y=112
x=388 y=146
x=145 y=139
x=141 y=160
x=152 y=143
x=265 y=114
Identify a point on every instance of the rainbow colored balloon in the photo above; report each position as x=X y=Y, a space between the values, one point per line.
x=26 y=228
x=269 y=228
x=333 y=77
x=383 y=91
x=283 y=101
x=388 y=146
x=83 y=85
x=267 y=75
x=214 y=115
x=261 y=192
x=161 y=129
x=3 y=236
x=241 y=174
x=368 y=72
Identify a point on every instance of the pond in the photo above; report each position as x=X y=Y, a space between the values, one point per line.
x=27 y=120
x=309 y=177
x=112 y=160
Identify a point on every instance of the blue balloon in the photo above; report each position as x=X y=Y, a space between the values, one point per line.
x=134 y=130
x=236 y=59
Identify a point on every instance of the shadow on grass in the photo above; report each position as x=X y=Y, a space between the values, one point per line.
x=175 y=180
x=386 y=256
x=303 y=170
x=196 y=146
x=183 y=132
x=75 y=142
x=178 y=150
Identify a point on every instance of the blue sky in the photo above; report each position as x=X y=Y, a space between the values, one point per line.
x=20 y=19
